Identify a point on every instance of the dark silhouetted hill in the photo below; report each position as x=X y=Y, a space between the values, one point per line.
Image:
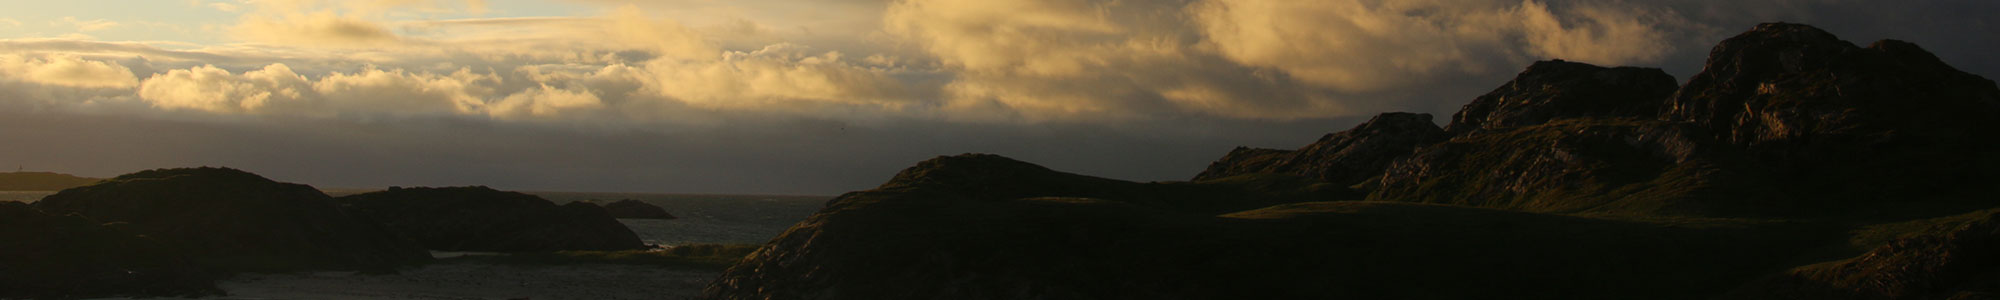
x=68 y=257
x=41 y=181
x=986 y=227
x=230 y=220
x=484 y=219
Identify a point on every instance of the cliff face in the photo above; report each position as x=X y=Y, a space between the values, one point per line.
x=67 y=257
x=232 y=220
x=483 y=219
x=1342 y=158
x=1828 y=114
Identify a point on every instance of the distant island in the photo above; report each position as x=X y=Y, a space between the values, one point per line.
x=42 y=181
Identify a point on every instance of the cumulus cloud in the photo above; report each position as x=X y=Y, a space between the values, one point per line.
x=66 y=70
x=1368 y=45
x=211 y=89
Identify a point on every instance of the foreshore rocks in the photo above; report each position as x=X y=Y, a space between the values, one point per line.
x=233 y=221
x=488 y=220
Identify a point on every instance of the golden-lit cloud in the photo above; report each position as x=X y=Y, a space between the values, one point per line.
x=85 y=25
x=211 y=89
x=1027 y=61
x=1369 y=45
x=66 y=70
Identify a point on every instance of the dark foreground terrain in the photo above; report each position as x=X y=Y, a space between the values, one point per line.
x=1795 y=166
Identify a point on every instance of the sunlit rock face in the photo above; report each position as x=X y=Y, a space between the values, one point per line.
x=232 y=220
x=1824 y=110
x=483 y=219
x=66 y=257
x=1342 y=158
x=1785 y=120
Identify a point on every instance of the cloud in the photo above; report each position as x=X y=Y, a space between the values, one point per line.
x=85 y=25
x=325 y=29
x=1091 y=61
x=225 y=6
x=1356 y=45
x=545 y=102
x=66 y=70
x=9 y=22
x=211 y=89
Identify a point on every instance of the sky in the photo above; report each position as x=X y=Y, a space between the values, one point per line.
x=811 y=97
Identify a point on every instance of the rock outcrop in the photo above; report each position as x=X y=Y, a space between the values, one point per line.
x=1957 y=261
x=1342 y=158
x=231 y=220
x=986 y=227
x=1556 y=90
x=635 y=209
x=483 y=219
x=1873 y=123
x=67 y=257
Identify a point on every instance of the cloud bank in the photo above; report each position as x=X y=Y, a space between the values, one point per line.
x=926 y=71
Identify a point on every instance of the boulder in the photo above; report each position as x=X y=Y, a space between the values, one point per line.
x=635 y=209
x=66 y=257
x=484 y=219
x=232 y=220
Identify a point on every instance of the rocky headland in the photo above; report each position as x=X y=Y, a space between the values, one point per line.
x=1794 y=166
x=487 y=220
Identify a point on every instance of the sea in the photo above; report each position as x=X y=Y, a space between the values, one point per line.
x=702 y=219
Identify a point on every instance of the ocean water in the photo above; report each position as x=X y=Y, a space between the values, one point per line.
x=730 y=219
x=725 y=219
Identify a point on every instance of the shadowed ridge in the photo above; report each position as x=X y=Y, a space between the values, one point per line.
x=41 y=181
x=1342 y=158
x=931 y=239
x=1556 y=89
x=478 y=218
x=994 y=176
x=1244 y=160
x=232 y=220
